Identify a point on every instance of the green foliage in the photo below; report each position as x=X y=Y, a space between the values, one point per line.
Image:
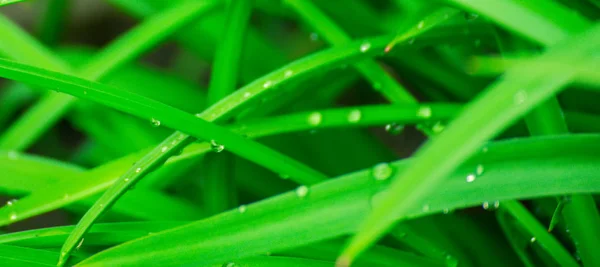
x=285 y=156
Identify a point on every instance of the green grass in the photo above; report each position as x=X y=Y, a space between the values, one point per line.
x=287 y=154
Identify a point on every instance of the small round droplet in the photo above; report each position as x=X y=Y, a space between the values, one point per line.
x=85 y=92
x=13 y=216
x=164 y=149
x=155 y=122
x=11 y=202
x=470 y=178
x=426 y=208
x=302 y=191
x=532 y=240
x=479 y=169
x=288 y=73
x=520 y=97
x=216 y=147
x=364 y=47
x=138 y=170
x=354 y=116
x=496 y=204
x=382 y=171
x=267 y=84
x=485 y=205
x=394 y=128
x=242 y=208
x=446 y=211
x=438 y=127
x=284 y=176
x=247 y=94
x=12 y=155
x=424 y=112
x=315 y=118
x=126 y=179
x=314 y=36
x=420 y=25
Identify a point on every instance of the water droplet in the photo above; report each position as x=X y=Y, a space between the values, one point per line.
x=486 y=205
x=164 y=149
x=424 y=112
x=479 y=169
x=12 y=155
x=216 y=147
x=484 y=149
x=288 y=73
x=242 y=208
x=446 y=211
x=470 y=178
x=66 y=196
x=438 y=127
x=377 y=86
x=532 y=240
x=284 y=176
x=12 y=216
x=354 y=116
x=520 y=97
x=127 y=179
x=420 y=25
x=138 y=170
x=267 y=84
x=11 y=202
x=364 y=47
x=84 y=92
x=229 y=264
x=426 y=208
x=314 y=36
x=247 y=94
x=382 y=171
x=470 y=16
x=302 y=191
x=155 y=122
x=496 y=204
x=394 y=128
x=315 y=118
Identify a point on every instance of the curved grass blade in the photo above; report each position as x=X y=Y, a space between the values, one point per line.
x=218 y=192
x=48 y=110
x=510 y=97
x=28 y=257
x=101 y=234
x=8 y=2
x=562 y=164
x=99 y=179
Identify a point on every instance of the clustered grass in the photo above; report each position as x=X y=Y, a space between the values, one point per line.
x=289 y=154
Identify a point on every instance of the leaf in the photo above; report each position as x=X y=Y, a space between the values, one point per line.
x=552 y=165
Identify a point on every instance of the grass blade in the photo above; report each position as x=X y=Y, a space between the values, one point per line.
x=431 y=163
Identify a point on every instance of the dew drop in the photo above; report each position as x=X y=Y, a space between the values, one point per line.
x=267 y=84
x=364 y=47
x=520 y=97
x=479 y=169
x=216 y=147
x=138 y=170
x=420 y=25
x=382 y=171
x=424 y=112
x=315 y=118
x=394 y=128
x=66 y=196
x=484 y=149
x=354 y=116
x=496 y=204
x=532 y=240
x=12 y=155
x=377 y=85
x=485 y=205
x=127 y=179
x=314 y=36
x=288 y=73
x=426 y=208
x=84 y=92
x=11 y=202
x=284 y=176
x=247 y=94
x=164 y=149
x=438 y=127
x=12 y=216
x=470 y=178
x=446 y=211
x=242 y=208
x=155 y=122
x=302 y=191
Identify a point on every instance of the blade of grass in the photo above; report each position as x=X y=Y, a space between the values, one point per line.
x=53 y=21
x=553 y=165
x=219 y=190
x=511 y=97
x=28 y=257
x=47 y=111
